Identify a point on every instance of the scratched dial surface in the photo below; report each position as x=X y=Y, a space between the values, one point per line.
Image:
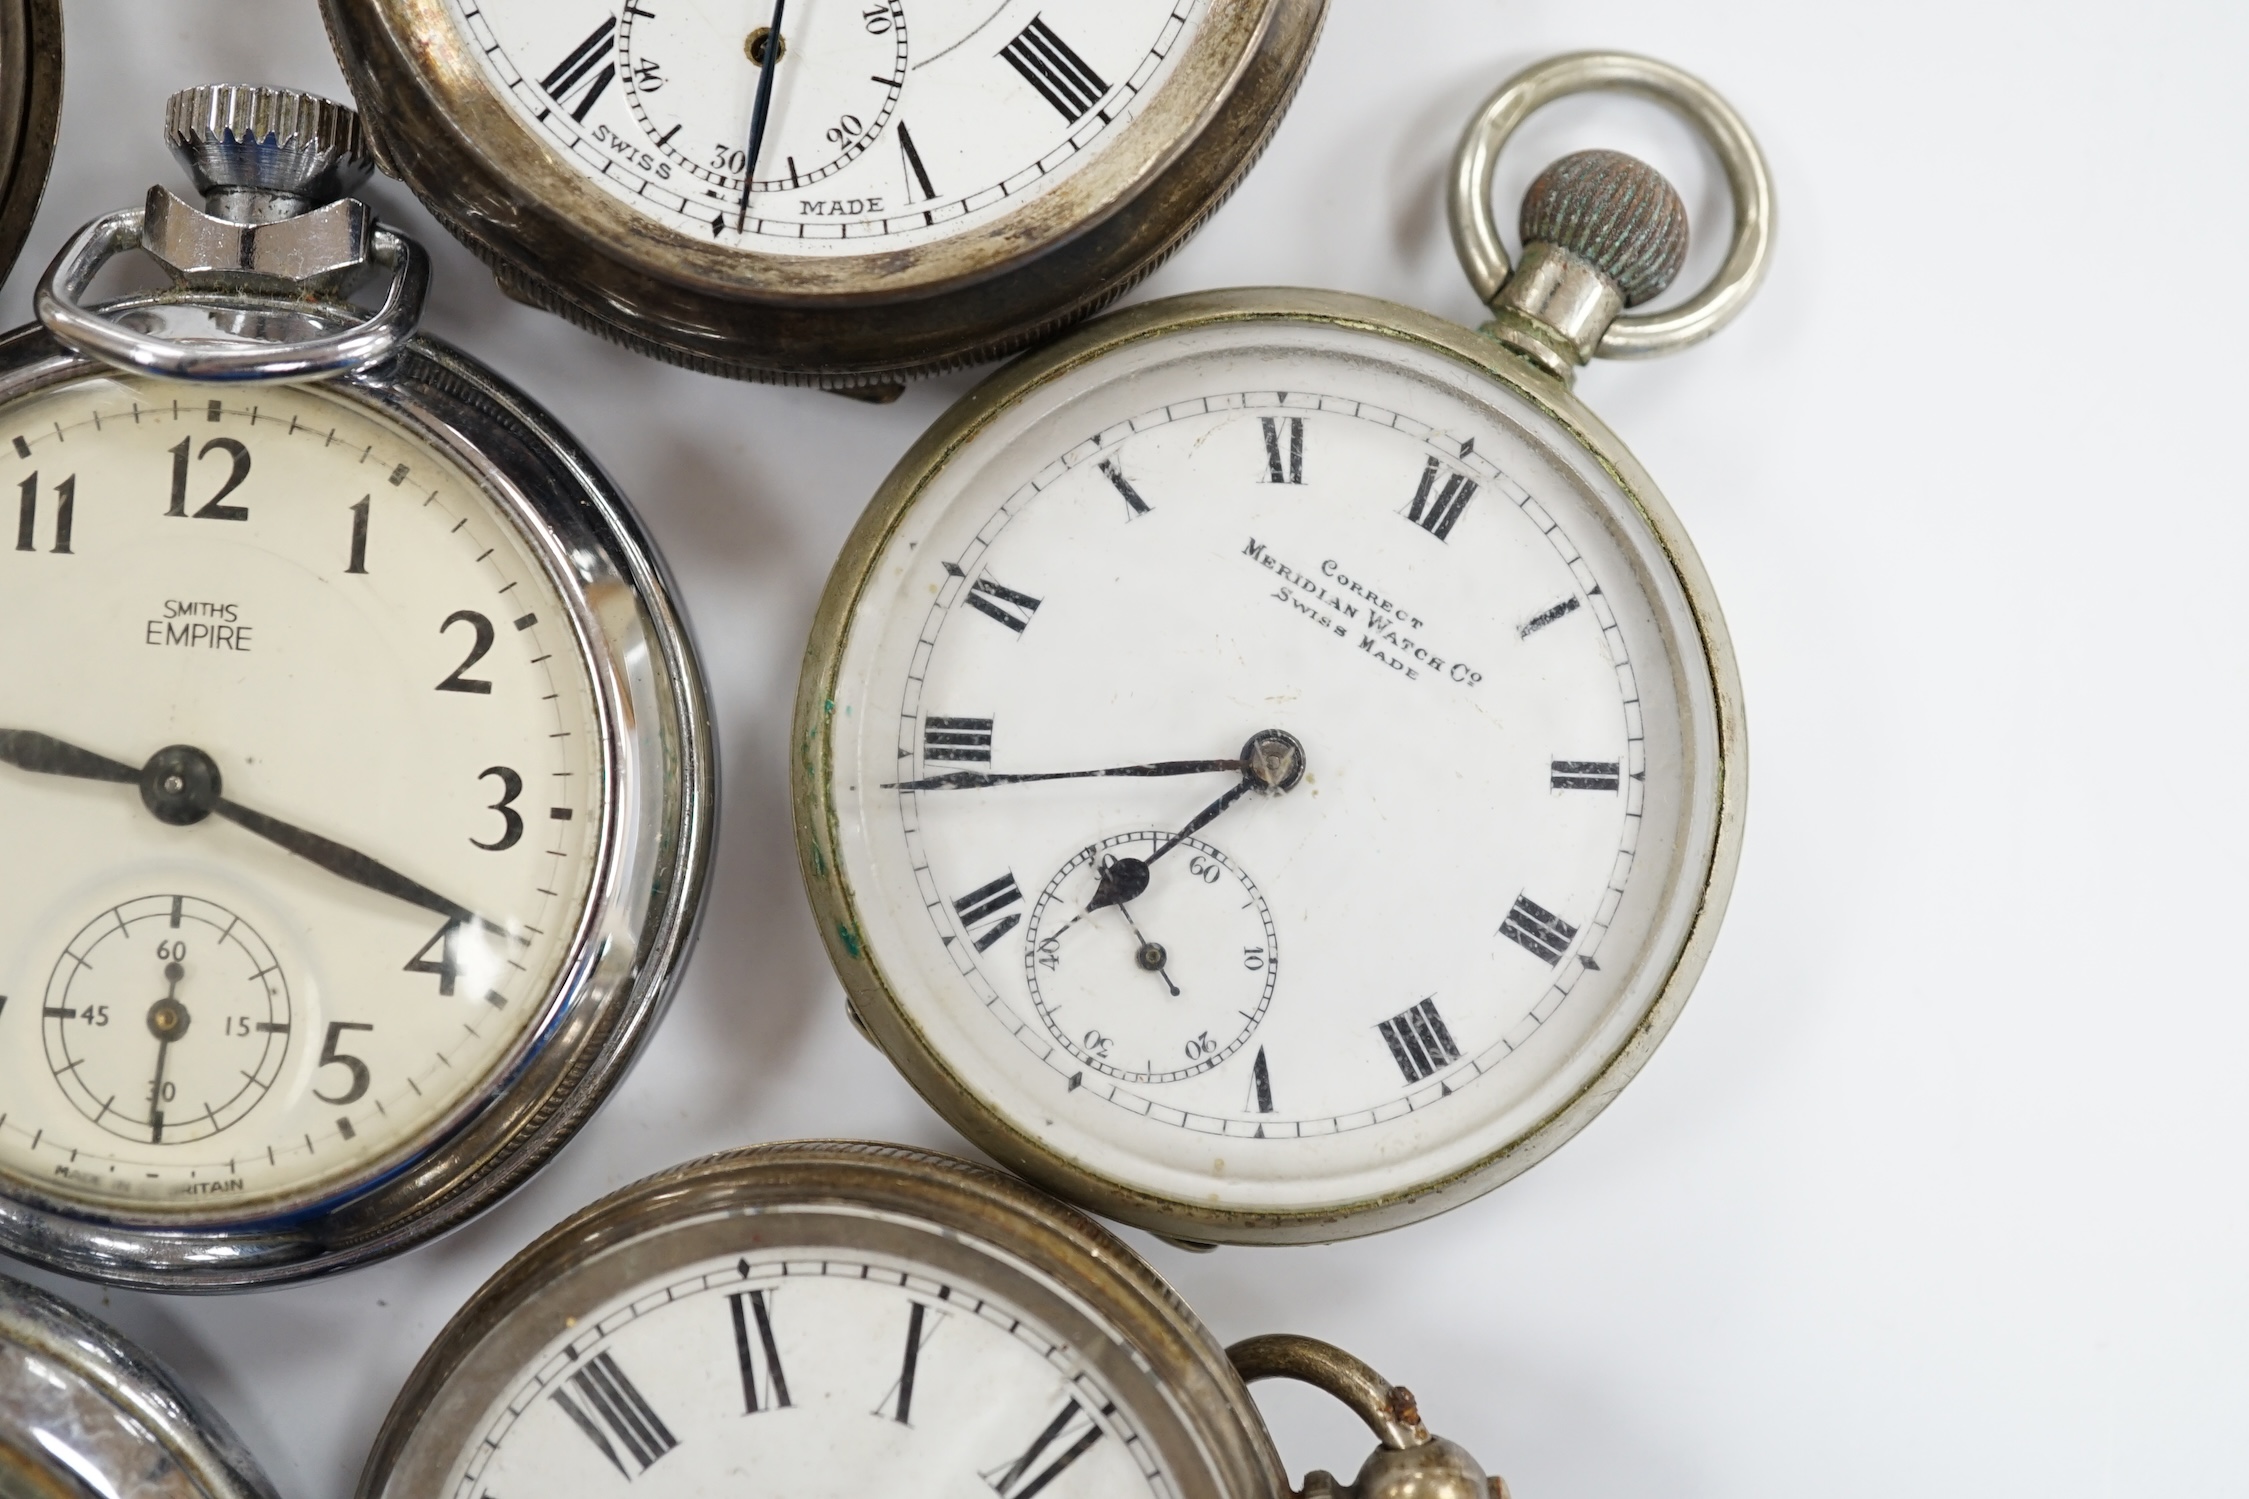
x=303 y=784
x=890 y=124
x=811 y=1371
x=1371 y=978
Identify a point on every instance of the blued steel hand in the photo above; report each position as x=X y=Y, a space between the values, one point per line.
x=180 y=785
x=758 y=111
x=970 y=780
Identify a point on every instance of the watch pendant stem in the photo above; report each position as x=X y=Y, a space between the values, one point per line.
x=1410 y=1464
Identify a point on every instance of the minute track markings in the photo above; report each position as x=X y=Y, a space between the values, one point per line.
x=1121 y=449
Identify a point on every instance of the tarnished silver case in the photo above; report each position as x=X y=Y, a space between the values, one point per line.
x=1705 y=881
x=30 y=105
x=850 y=322
x=659 y=827
x=86 y=1412
x=930 y=1208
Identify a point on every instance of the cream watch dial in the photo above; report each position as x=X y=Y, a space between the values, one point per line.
x=303 y=770
x=1481 y=784
x=829 y=1373
x=893 y=123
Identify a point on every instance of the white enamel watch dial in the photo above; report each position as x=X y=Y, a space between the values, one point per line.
x=874 y=1376
x=891 y=125
x=1274 y=768
x=825 y=1319
x=935 y=182
x=205 y=1006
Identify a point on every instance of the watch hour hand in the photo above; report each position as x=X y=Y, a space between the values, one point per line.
x=970 y=780
x=43 y=754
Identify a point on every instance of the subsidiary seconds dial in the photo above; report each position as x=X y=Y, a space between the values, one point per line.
x=692 y=71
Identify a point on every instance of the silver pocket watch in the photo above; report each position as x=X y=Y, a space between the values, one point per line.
x=360 y=793
x=834 y=194
x=837 y=1318
x=30 y=106
x=1270 y=767
x=85 y=1413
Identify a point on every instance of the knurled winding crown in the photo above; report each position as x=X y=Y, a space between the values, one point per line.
x=260 y=153
x=1615 y=212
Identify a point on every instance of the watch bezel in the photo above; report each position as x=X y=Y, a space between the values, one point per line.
x=671 y=1220
x=884 y=1017
x=558 y=242
x=31 y=83
x=637 y=926
x=116 y=1379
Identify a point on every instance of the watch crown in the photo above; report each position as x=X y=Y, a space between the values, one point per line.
x=1602 y=231
x=1615 y=212
x=260 y=154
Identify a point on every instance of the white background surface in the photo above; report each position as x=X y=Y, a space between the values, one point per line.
x=1938 y=1186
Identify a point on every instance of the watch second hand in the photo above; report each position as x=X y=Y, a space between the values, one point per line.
x=758 y=111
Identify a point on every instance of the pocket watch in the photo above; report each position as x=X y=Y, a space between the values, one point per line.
x=364 y=773
x=832 y=194
x=30 y=105
x=1269 y=767
x=838 y=1318
x=87 y=1413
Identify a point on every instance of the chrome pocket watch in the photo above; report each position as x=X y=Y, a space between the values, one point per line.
x=1269 y=767
x=836 y=1318
x=833 y=194
x=87 y=1413
x=359 y=798
x=30 y=106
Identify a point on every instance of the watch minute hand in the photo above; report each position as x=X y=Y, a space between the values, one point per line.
x=345 y=863
x=969 y=780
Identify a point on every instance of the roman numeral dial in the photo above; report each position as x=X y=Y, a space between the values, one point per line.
x=884 y=126
x=809 y=1366
x=579 y=80
x=1049 y=65
x=1060 y=1443
x=609 y=1410
x=1142 y=575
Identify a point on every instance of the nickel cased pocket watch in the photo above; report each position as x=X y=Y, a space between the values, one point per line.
x=840 y=1318
x=842 y=195
x=359 y=794
x=30 y=106
x=1269 y=767
x=87 y=1415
